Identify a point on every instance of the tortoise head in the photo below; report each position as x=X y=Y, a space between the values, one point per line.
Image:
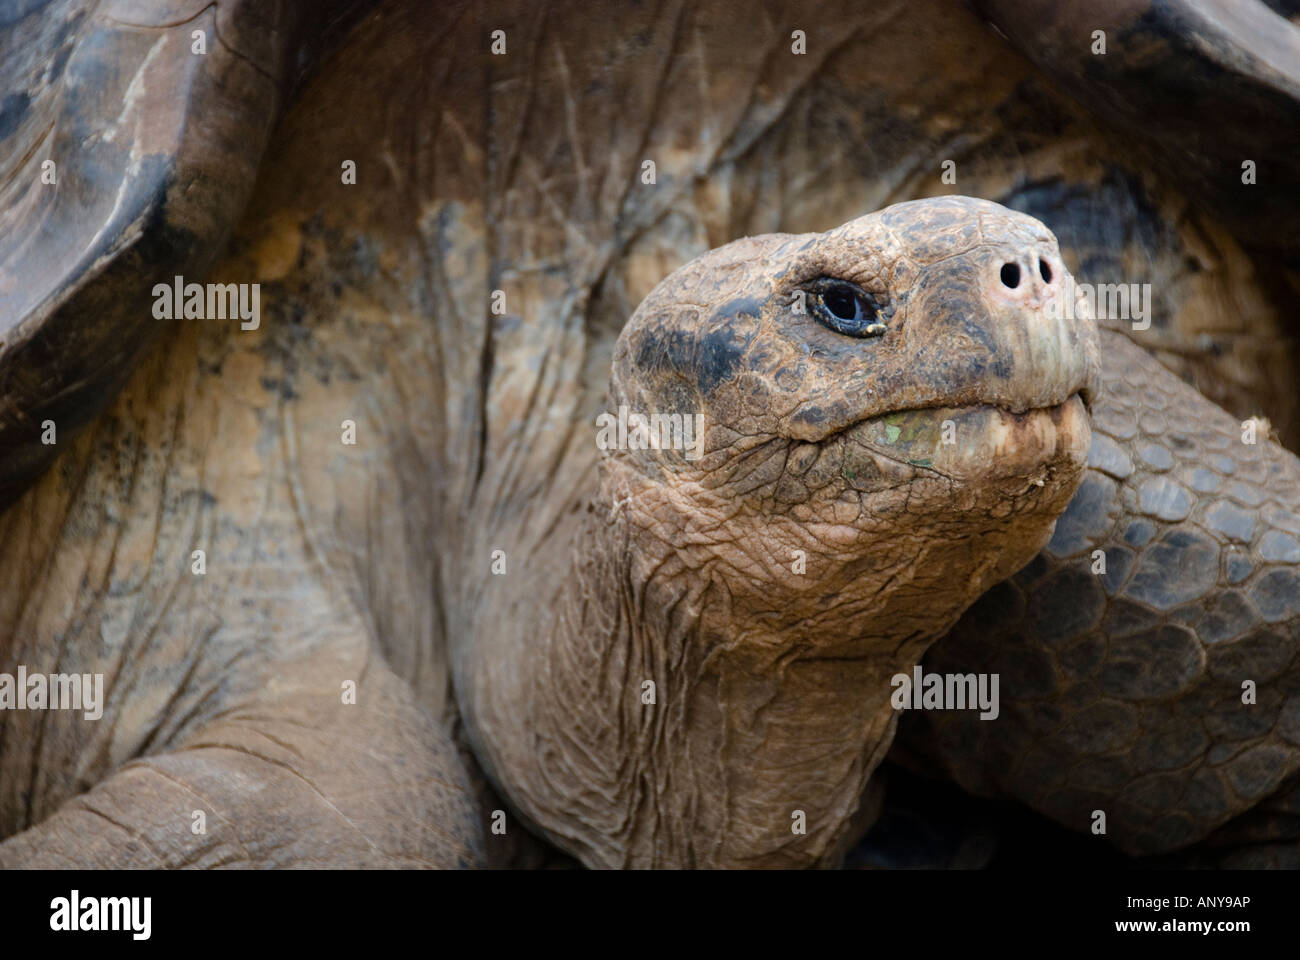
x=876 y=423
x=818 y=451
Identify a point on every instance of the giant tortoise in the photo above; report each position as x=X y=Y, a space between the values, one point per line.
x=447 y=434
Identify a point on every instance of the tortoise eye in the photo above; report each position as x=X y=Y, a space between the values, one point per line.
x=843 y=304
x=845 y=308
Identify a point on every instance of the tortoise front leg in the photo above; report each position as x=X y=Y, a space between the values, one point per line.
x=1148 y=657
x=248 y=714
x=292 y=777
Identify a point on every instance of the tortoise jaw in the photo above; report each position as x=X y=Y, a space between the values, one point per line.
x=967 y=443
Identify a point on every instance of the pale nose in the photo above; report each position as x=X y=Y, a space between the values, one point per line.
x=1028 y=277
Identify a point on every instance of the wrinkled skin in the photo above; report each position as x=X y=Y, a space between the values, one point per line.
x=330 y=563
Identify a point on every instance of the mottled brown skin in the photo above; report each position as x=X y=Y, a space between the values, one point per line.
x=681 y=575
x=224 y=692
x=328 y=563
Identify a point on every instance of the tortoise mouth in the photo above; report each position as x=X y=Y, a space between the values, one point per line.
x=978 y=440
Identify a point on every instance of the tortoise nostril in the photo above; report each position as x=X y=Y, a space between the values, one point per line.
x=1044 y=270
x=1011 y=275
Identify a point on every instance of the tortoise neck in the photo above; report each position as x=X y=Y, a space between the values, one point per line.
x=648 y=720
